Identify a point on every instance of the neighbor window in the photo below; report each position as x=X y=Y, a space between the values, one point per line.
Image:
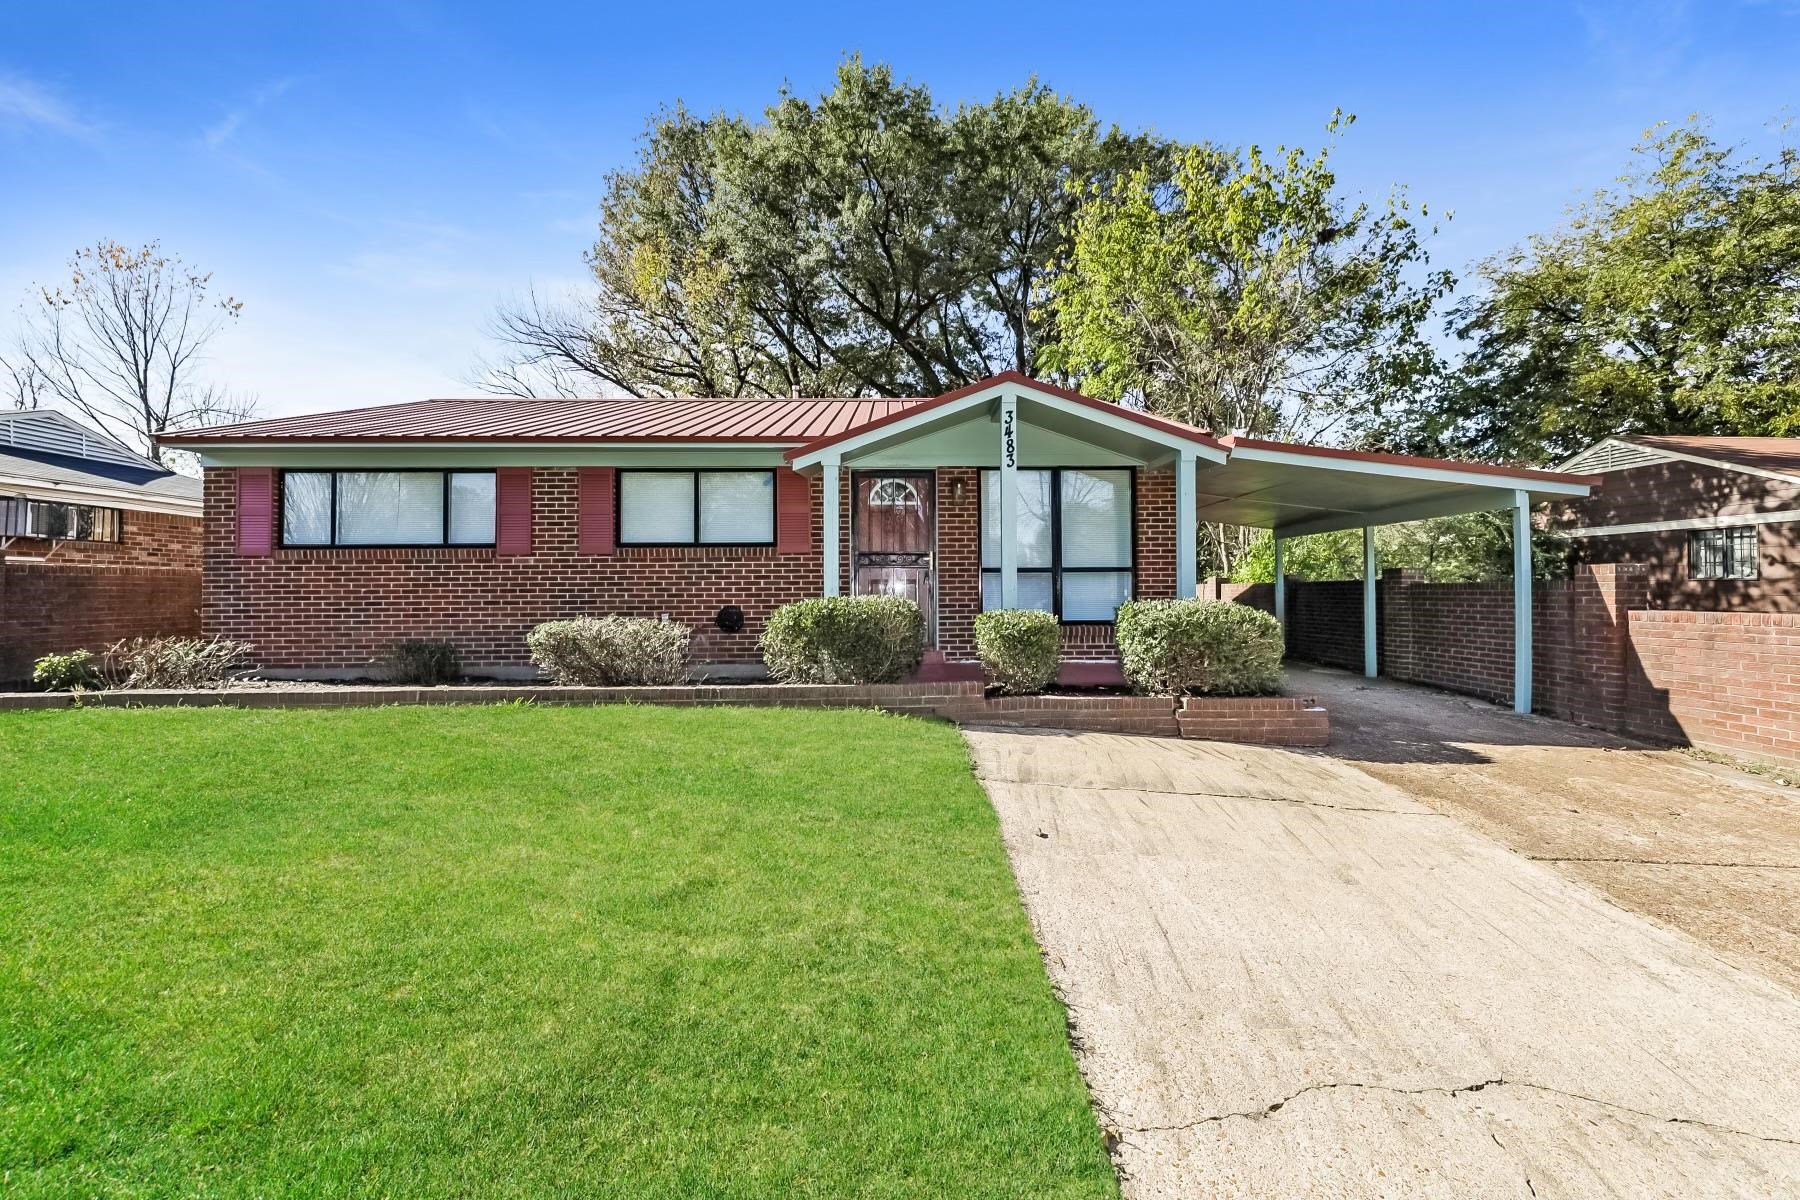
x=1723 y=553
x=20 y=517
x=387 y=508
x=697 y=508
x=1074 y=538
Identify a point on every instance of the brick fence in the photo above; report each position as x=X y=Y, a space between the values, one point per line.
x=76 y=595
x=1721 y=681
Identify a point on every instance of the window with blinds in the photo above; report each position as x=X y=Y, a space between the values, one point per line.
x=22 y=517
x=696 y=508
x=387 y=508
x=1074 y=540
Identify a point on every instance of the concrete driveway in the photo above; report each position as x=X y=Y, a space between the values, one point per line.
x=1288 y=978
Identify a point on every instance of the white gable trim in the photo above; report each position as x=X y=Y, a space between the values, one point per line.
x=1200 y=445
x=1664 y=454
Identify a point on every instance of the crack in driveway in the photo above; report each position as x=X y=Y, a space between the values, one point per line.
x=1089 y=787
x=1257 y=1114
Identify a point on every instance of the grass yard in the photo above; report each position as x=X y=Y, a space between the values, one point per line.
x=516 y=951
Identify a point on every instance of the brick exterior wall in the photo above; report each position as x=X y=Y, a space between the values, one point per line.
x=1674 y=491
x=56 y=597
x=332 y=610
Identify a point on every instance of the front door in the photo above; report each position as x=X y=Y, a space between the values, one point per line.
x=893 y=533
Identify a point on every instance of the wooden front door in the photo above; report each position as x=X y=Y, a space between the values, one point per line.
x=894 y=538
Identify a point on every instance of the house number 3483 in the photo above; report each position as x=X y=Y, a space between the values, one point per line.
x=1008 y=441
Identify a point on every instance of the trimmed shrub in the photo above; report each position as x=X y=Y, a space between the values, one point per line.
x=844 y=639
x=424 y=663
x=1020 y=647
x=75 y=671
x=173 y=662
x=1202 y=647
x=611 y=651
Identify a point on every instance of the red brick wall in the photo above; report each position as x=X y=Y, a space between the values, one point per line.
x=340 y=609
x=53 y=607
x=61 y=596
x=1722 y=681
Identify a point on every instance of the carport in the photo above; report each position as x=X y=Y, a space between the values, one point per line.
x=1295 y=490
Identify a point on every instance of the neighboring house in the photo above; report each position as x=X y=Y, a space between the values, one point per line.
x=1715 y=519
x=330 y=537
x=97 y=542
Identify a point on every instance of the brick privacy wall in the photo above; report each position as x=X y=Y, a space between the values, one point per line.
x=1721 y=681
x=53 y=607
x=61 y=596
x=1325 y=623
x=341 y=609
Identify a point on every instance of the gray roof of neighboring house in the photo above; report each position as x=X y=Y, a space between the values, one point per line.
x=52 y=450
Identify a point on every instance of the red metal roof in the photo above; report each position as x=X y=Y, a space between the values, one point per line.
x=496 y=419
x=1781 y=455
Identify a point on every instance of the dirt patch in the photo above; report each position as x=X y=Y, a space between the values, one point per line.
x=1704 y=848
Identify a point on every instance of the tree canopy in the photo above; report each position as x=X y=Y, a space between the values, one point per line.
x=868 y=242
x=1669 y=303
x=1243 y=292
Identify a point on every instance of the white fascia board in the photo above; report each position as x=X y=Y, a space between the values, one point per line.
x=59 y=493
x=1719 y=522
x=1357 y=466
x=1740 y=468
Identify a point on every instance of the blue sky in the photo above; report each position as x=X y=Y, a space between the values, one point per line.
x=371 y=179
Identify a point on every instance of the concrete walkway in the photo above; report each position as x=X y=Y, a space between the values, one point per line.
x=1288 y=978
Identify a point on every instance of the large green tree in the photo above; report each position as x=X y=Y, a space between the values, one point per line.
x=1669 y=303
x=867 y=242
x=1243 y=291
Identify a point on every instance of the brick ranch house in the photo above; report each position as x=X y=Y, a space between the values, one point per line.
x=1715 y=521
x=329 y=537
x=97 y=542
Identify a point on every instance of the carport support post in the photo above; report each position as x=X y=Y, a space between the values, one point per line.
x=1009 y=501
x=1370 y=647
x=829 y=498
x=1521 y=532
x=1187 y=531
x=1281 y=582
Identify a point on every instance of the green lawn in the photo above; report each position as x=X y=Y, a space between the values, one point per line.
x=517 y=951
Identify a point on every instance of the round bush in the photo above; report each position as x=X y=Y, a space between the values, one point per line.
x=611 y=651
x=1199 y=647
x=844 y=639
x=1020 y=647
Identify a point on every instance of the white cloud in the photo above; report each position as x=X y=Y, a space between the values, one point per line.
x=31 y=106
x=227 y=126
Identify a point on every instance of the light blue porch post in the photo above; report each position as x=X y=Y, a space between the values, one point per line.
x=1281 y=582
x=828 y=496
x=1371 y=650
x=1187 y=532
x=1521 y=532
x=1009 y=501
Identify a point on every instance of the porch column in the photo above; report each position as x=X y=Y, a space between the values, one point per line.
x=1521 y=532
x=1371 y=646
x=830 y=502
x=1009 y=501
x=1281 y=582
x=1187 y=553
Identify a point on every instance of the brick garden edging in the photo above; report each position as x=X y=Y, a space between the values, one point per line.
x=1271 y=721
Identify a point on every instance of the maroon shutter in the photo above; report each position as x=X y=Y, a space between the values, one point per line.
x=512 y=510
x=793 y=512
x=596 y=485
x=255 y=510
